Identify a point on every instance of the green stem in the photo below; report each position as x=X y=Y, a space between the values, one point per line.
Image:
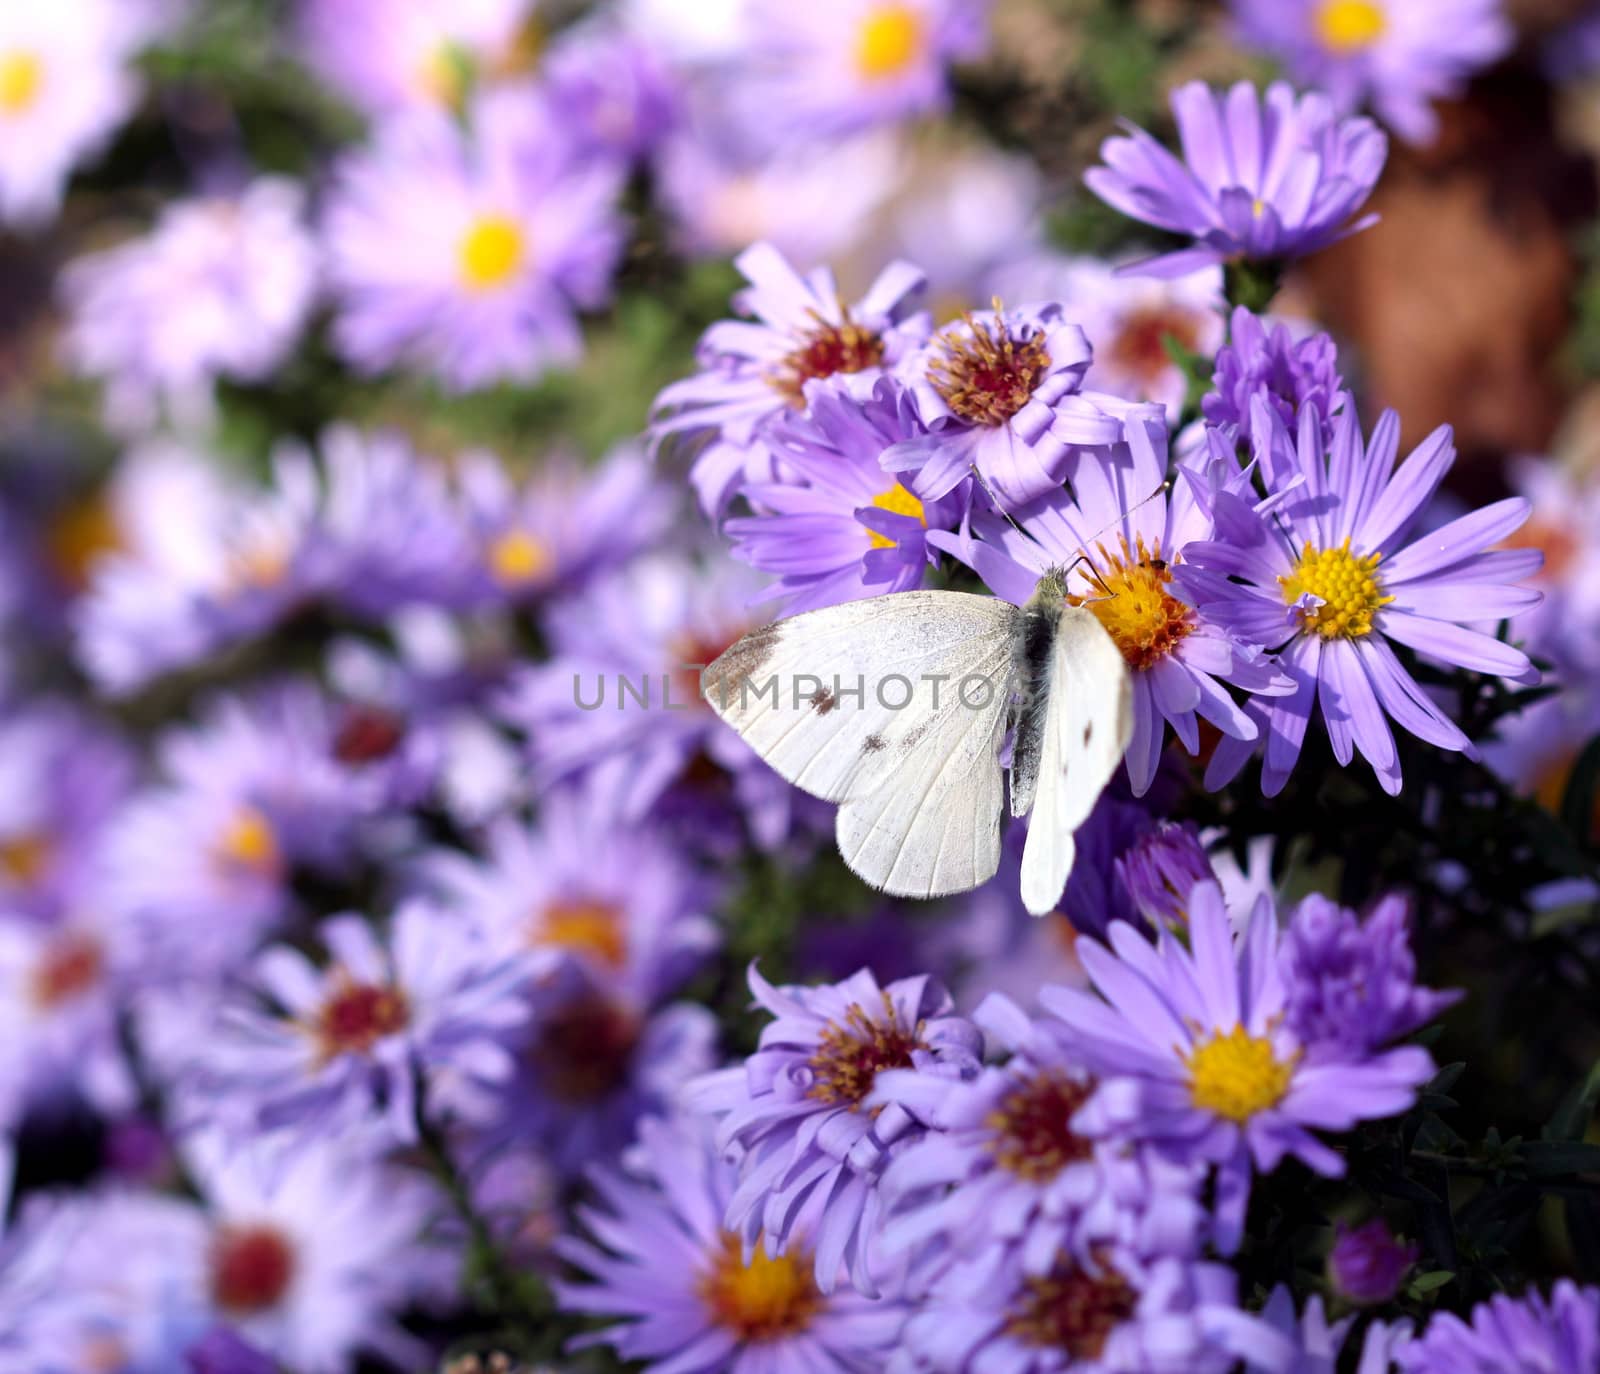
x=1251 y=284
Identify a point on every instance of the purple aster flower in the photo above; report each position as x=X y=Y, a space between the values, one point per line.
x=567 y=522
x=1002 y=392
x=836 y=526
x=1367 y=1263
x=66 y=774
x=1532 y=1335
x=636 y=924
x=1113 y=1315
x=1265 y=178
x=685 y=1295
x=1572 y=53
x=314 y=1051
x=613 y=91
x=838 y=66
x=752 y=371
x=1397 y=56
x=1128 y=540
x=466 y=253
x=387 y=57
x=1328 y=579
x=367 y=528
x=1197 y=1057
x=66 y=83
x=1353 y=981
x=595 y=1062
x=812 y=1158
x=1127 y=319
x=219 y=288
x=619 y=705
x=1291 y=374
x=1003 y=1165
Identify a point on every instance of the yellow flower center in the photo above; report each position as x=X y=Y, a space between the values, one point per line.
x=901 y=502
x=249 y=841
x=492 y=253
x=1133 y=603
x=1346 y=584
x=25 y=858
x=516 y=558
x=1349 y=26
x=889 y=41
x=764 y=1299
x=21 y=77
x=584 y=926
x=1236 y=1075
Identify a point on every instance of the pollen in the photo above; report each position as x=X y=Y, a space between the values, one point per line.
x=584 y=926
x=898 y=501
x=1034 y=1138
x=26 y=858
x=70 y=966
x=516 y=558
x=1350 y=26
x=987 y=376
x=492 y=253
x=1346 y=584
x=357 y=1016
x=765 y=1299
x=890 y=39
x=1134 y=604
x=248 y=841
x=251 y=1268
x=21 y=80
x=1237 y=1075
x=1072 y=1309
x=850 y=1056
x=826 y=349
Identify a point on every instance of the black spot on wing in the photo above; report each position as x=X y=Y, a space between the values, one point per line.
x=742 y=660
x=824 y=701
x=873 y=744
x=1088 y=732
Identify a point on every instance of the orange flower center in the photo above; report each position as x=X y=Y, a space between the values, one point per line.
x=764 y=1299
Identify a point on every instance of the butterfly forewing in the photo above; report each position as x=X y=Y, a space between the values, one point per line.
x=835 y=700
x=1088 y=721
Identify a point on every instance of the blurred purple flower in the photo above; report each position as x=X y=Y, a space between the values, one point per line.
x=1196 y=1056
x=1311 y=1344
x=66 y=83
x=219 y=288
x=1530 y=1335
x=613 y=91
x=686 y=1295
x=387 y=57
x=1397 y=56
x=1327 y=578
x=811 y=1130
x=1265 y=178
x=752 y=371
x=835 y=67
x=223 y=1351
x=466 y=252
x=313 y=1052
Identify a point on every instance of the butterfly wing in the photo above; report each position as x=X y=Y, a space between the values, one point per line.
x=920 y=781
x=1088 y=721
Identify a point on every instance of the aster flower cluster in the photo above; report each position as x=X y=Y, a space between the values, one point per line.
x=402 y=966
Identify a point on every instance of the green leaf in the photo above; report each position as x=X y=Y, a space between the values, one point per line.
x=1557 y=1158
x=1572 y=1117
x=1430 y=1282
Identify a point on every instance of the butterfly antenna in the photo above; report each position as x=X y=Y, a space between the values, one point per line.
x=1094 y=539
x=994 y=500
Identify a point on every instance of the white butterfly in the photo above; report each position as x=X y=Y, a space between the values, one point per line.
x=916 y=772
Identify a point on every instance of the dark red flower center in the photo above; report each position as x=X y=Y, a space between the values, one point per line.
x=69 y=967
x=367 y=734
x=358 y=1015
x=826 y=350
x=584 y=1052
x=251 y=1268
x=1072 y=1309
x=1034 y=1138
x=850 y=1056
